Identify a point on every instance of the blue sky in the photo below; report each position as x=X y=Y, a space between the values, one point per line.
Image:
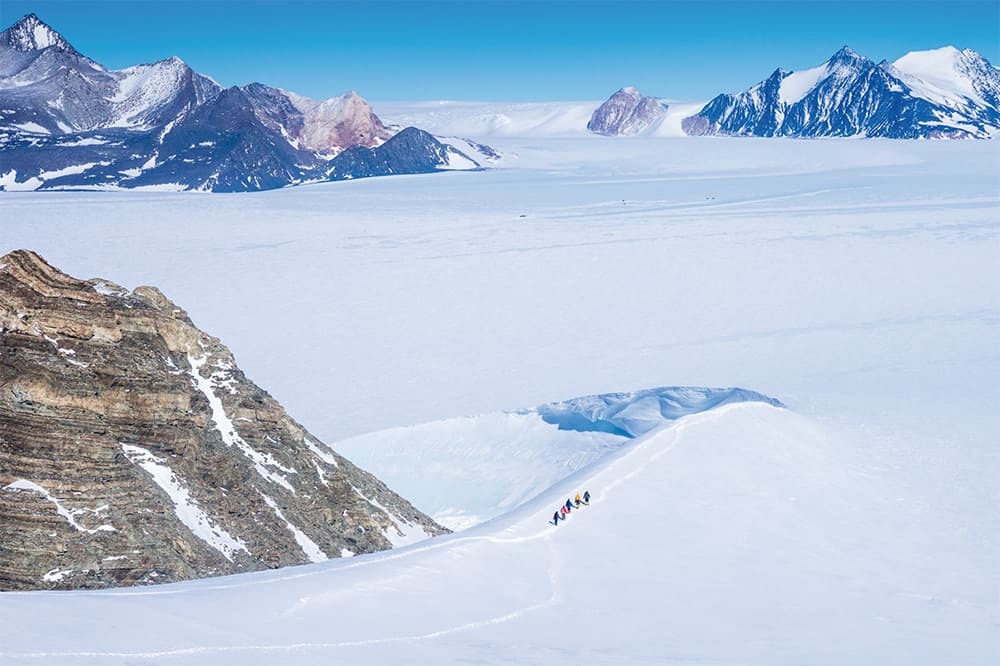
x=507 y=50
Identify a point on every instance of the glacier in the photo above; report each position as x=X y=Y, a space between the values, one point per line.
x=854 y=281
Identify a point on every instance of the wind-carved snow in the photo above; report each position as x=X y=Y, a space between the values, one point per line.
x=464 y=471
x=69 y=514
x=228 y=432
x=308 y=546
x=797 y=85
x=938 y=74
x=185 y=506
x=635 y=413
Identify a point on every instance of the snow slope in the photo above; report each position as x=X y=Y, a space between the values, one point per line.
x=942 y=75
x=463 y=471
x=742 y=522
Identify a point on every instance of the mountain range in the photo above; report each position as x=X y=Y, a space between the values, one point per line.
x=67 y=122
x=941 y=93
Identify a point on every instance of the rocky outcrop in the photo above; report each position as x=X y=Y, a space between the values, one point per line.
x=133 y=450
x=625 y=112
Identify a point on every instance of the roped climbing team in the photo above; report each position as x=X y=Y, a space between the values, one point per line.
x=576 y=502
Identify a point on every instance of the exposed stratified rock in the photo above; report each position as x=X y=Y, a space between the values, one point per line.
x=133 y=450
x=625 y=112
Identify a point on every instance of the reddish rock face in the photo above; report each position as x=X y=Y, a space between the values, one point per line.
x=133 y=450
x=625 y=112
x=339 y=122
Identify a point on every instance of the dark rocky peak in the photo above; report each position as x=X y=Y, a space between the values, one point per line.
x=777 y=76
x=410 y=151
x=275 y=109
x=847 y=59
x=30 y=33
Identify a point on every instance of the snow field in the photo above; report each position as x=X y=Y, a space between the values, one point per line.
x=743 y=521
x=853 y=280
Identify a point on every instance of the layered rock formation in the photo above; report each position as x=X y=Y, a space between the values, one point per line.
x=133 y=450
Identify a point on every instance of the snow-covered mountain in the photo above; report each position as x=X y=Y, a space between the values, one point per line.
x=625 y=112
x=963 y=81
x=944 y=93
x=48 y=87
x=68 y=122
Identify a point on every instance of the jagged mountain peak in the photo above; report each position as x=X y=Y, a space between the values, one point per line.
x=847 y=60
x=845 y=52
x=30 y=33
x=171 y=64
